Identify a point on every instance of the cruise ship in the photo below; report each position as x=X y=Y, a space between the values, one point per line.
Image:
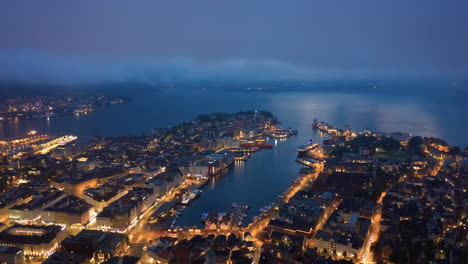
x=308 y=146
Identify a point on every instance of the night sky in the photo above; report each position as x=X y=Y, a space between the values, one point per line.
x=88 y=41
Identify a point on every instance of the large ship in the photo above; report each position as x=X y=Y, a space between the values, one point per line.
x=309 y=145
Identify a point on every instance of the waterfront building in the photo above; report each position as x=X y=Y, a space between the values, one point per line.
x=65 y=151
x=202 y=170
x=124 y=212
x=227 y=142
x=165 y=182
x=210 y=165
x=225 y=158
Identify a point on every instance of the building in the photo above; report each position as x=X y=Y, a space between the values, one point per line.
x=120 y=215
x=200 y=170
x=76 y=184
x=32 y=211
x=13 y=197
x=33 y=240
x=63 y=257
x=103 y=195
x=288 y=240
x=85 y=164
x=129 y=181
x=70 y=210
x=332 y=166
x=337 y=242
x=164 y=182
x=210 y=165
x=97 y=246
x=225 y=158
x=11 y=255
x=289 y=228
x=227 y=143
x=65 y=151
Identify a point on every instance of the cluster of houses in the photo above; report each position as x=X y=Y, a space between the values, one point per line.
x=424 y=214
x=201 y=249
x=414 y=189
x=344 y=232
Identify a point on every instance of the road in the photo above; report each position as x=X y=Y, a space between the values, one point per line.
x=365 y=255
x=328 y=212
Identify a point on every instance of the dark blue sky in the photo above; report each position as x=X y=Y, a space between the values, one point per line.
x=87 y=41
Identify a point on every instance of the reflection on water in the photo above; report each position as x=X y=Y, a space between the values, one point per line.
x=267 y=173
x=255 y=182
x=440 y=117
x=239 y=164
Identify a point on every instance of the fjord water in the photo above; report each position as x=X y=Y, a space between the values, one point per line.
x=435 y=115
x=268 y=173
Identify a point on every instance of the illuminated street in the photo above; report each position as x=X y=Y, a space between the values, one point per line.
x=366 y=256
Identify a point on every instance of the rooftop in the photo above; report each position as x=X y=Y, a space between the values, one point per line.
x=126 y=202
x=40 y=200
x=70 y=204
x=63 y=257
x=104 y=192
x=30 y=234
x=106 y=242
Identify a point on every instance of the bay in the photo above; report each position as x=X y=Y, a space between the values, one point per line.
x=268 y=173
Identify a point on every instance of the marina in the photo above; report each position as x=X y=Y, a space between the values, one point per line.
x=242 y=184
x=224 y=221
